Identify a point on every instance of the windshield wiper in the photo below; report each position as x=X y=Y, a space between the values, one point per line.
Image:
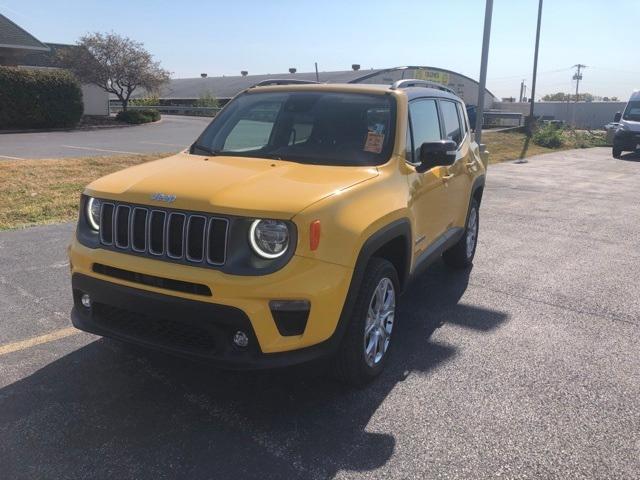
x=272 y=156
x=202 y=148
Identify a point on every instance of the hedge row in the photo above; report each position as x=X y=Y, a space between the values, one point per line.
x=38 y=99
x=139 y=116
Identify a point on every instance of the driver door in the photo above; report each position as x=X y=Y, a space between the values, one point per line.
x=427 y=190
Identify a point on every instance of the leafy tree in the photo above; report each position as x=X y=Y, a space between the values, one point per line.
x=116 y=64
x=567 y=97
x=555 y=97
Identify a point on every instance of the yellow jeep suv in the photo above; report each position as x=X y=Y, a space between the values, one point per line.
x=288 y=229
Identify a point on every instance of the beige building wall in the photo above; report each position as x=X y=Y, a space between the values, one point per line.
x=96 y=100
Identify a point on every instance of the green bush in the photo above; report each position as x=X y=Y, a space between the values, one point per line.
x=587 y=139
x=549 y=136
x=150 y=101
x=32 y=98
x=139 y=116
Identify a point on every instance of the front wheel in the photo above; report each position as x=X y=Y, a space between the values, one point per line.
x=365 y=346
x=462 y=253
x=617 y=153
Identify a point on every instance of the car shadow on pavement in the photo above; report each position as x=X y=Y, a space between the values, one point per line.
x=110 y=410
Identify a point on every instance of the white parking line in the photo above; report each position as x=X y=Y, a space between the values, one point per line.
x=165 y=144
x=12 y=158
x=99 y=149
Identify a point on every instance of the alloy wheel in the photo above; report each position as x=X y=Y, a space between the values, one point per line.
x=379 y=324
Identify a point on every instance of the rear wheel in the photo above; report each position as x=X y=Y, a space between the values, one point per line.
x=462 y=253
x=617 y=153
x=365 y=346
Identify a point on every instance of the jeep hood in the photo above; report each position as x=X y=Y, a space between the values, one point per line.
x=229 y=185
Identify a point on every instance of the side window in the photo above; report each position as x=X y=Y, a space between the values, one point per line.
x=408 y=154
x=463 y=119
x=452 y=129
x=425 y=124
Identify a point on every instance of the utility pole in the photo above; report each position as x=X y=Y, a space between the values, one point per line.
x=535 y=68
x=577 y=77
x=488 y=11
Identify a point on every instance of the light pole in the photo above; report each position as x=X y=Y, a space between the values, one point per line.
x=535 y=68
x=488 y=10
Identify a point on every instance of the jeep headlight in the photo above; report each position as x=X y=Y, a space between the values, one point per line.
x=269 y=238
x=93 y=213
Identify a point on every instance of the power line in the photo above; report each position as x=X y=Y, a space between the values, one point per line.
x=524 y=74
x=615 y=70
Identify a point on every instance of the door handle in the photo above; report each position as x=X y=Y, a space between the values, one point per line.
x=447 y=177
x=470 y=164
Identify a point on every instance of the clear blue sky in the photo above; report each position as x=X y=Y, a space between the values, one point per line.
x=224 y=37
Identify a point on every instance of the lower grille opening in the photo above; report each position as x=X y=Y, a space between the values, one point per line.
x=152 y=281
x=158 y=331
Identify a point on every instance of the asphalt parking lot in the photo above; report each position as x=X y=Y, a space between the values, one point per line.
x=172 y=133
x=526 y=366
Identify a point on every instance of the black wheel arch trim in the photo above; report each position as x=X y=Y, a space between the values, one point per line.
x=477 y=184
x=400 y=228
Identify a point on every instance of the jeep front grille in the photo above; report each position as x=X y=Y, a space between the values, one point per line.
x=184 y=237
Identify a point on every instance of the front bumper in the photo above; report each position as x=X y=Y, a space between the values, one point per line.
x=626 y=140
x=236 y=303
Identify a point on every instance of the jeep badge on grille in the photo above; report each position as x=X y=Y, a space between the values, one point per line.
x=163 y=197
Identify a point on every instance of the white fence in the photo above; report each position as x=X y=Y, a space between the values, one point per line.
x=590 y=115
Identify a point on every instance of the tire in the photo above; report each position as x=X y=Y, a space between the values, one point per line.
x=617 y=153
x=462 y=253
x=352 y=364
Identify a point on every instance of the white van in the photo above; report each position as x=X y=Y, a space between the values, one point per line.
x=627 y=137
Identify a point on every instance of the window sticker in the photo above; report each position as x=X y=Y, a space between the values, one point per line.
x=374 y=142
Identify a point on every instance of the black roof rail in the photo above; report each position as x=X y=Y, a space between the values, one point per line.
x=414 y=82
x=281 y=81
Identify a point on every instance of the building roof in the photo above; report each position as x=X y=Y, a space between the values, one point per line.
x=45 y=59
x=227 y=87
x=371 y=88
x=14 y=37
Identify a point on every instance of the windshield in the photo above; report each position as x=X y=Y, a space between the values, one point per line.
x=308 y=127
x=632 y=112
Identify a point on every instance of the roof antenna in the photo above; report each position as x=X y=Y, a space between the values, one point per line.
x=317 y=76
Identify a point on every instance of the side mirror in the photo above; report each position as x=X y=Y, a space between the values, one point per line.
x=437 y=154
x=617 y=117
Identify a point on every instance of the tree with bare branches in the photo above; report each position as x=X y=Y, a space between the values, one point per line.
x=118 y=65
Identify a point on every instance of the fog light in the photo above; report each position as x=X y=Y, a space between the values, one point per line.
x=85 y=299
x=240 y=339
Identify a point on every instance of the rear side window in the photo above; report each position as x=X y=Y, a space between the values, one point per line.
x=424 y=123
x=463 y=119
x=452 y=128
